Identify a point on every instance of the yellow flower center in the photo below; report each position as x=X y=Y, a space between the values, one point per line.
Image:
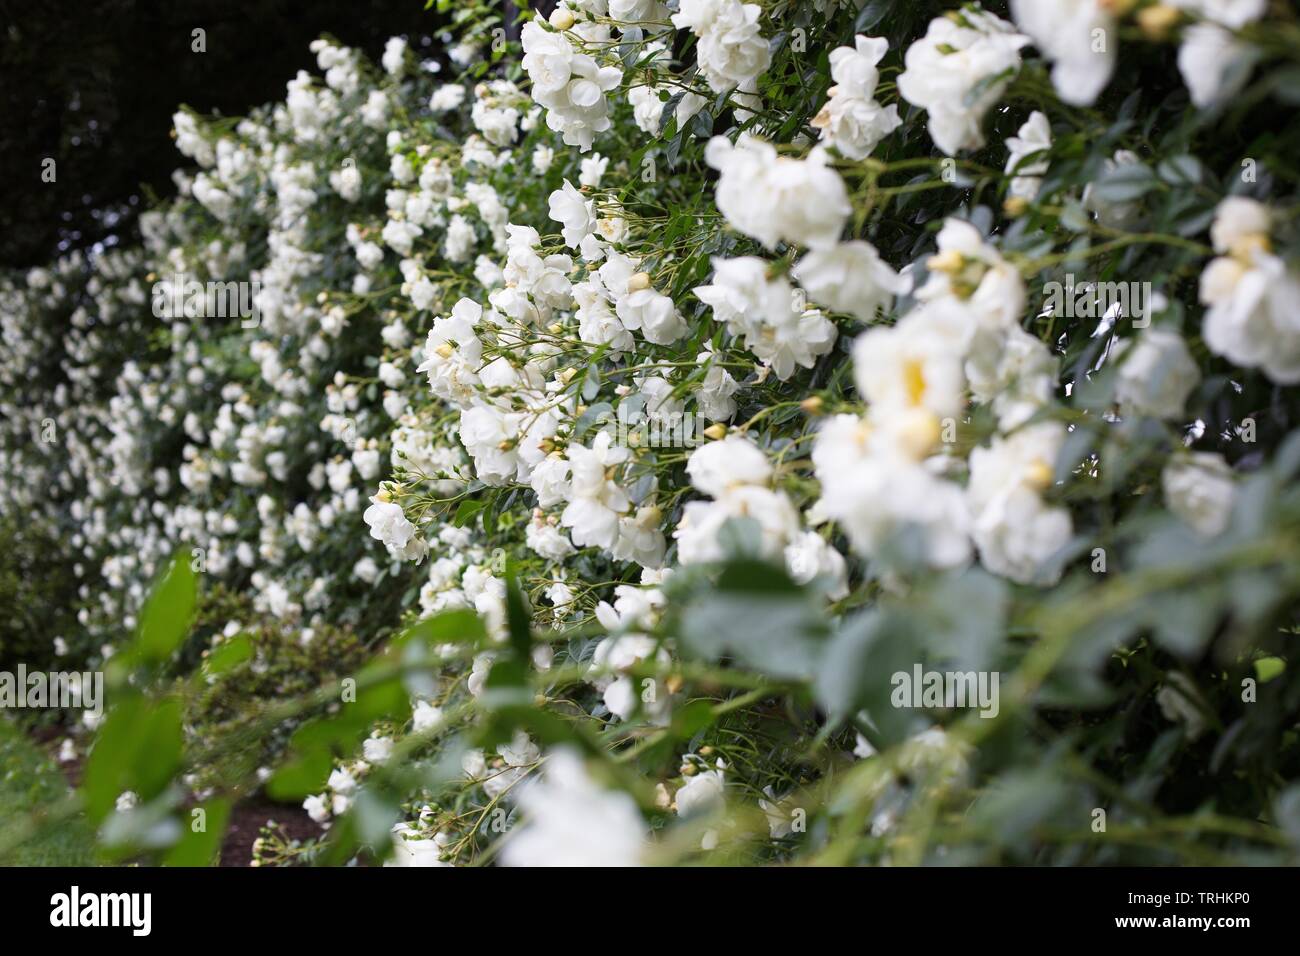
x=914 y=380
x=1038 y=475
x=919 y=432
x=1244 y=248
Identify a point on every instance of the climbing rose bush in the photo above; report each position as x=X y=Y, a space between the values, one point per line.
x=662 y=397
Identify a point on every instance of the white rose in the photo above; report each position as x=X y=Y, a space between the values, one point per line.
x=388 y=524
x=1080 y=37
x=718 y=466
x=1156 y=374
x=654 y=314
x=1215 y=65
x=1199 y=489
x=576 y=215
x=808 y=557
x=1034 y=137
x=850 y=277
x=774 y=198
x=1238 y=218
x=425 y=716
x=731 y=52
x=377 y=749
x=948 y=64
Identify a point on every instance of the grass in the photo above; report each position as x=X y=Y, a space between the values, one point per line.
x=30 y=780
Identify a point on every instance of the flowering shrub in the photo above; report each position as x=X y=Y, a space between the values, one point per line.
x=666 y=398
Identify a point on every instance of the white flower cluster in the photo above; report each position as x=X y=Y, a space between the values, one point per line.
x=891 y=469
x=1081 y=38
x=460 y=348
x=1251 y=294
x=569 y=83
x=958 y=71
x=852 y=121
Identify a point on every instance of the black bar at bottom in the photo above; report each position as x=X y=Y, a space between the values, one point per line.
x=330 y=906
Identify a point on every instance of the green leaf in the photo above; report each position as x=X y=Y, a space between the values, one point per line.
x=854 y=672
x=690 y=719
x=200 y=847
x=148 y=826
x=757 y=615
x=228 y=654
x=455 y=626
x=965 y=619
x=416 y=648
x=596 y=414
x=1023 y=799
x=467 y=510
x=591 y=382
x=167 y=613
x=507 y=684
x=300 y=777
x=1181 y=170
x=751 y=576
x=1183 y=623
x=1125 y=183
x=518 y=618
x=375 y=813
x=138 y=748
x=548 y=729
x=1268 y=668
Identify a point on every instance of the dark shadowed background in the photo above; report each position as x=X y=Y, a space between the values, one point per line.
x=93 y=84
